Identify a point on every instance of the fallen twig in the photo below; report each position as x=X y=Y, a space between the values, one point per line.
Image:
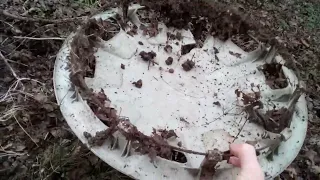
x=15 y=62
x=44 y=38
x=25 y=131
x=8 y=114
x=8 y=65
x=11 y=153
x=14 y=87
x=187 y=150
x=240 y=130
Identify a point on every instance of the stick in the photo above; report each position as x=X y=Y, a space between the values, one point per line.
x=25 y=131
x=240 y=130
x=187 y=150
x=8 y=65
x=12 y=61
x=32 y=38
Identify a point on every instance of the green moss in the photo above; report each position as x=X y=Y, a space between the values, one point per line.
x=311 y=15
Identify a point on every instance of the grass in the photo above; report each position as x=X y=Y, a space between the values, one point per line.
x=310 y=13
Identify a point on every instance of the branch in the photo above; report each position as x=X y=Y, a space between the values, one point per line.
x=25 y=131
x=44 y=38
x=187 y=150
x=8 y=65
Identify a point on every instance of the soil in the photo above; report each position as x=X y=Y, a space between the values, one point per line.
x=185 y=49
x=274 y=76
x=123 y=66
x=36 y=142
x=171 y=70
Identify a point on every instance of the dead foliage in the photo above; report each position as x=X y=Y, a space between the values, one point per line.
x=166 y=133
x=275 y=120
x=219 y=20
x=275 y=77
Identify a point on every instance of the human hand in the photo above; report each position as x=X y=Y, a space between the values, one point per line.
x=244 y=157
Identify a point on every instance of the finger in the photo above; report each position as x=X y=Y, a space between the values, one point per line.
x=234 y=161
x=246 y=154
x=242 y=150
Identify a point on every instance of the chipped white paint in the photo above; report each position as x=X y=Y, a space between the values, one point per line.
x=165 y=98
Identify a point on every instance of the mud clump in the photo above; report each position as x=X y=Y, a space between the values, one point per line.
x=168 y=49
x=179 y=143
x=138 y=84
x=185 y=49
x=188 y=65
x=275 y=77
x=169 y=61
x=147 y=56
x=123 y=66
x=217 y=103
x=98 y=139
x=140 y=43
x=171 y=70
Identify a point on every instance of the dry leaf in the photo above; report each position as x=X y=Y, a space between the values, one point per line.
x=41 y=98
